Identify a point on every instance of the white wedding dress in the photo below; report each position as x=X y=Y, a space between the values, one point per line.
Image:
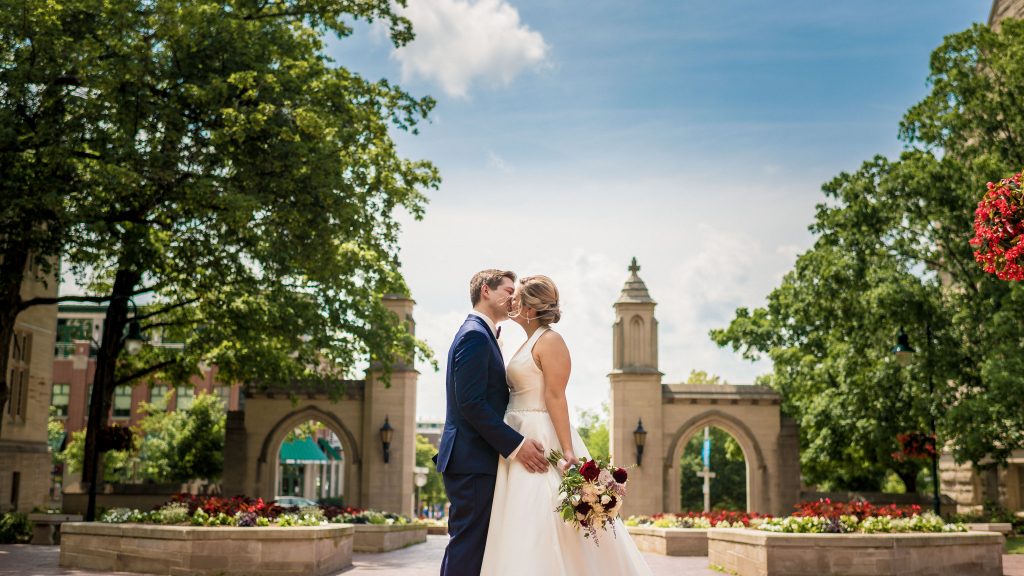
x=526 y=535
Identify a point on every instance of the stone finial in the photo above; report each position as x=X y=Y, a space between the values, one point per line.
x=634 y=291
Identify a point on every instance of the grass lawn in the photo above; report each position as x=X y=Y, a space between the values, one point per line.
x=1015 y=545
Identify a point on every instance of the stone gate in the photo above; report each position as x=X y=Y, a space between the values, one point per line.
x=255 y=434
x=672 y=414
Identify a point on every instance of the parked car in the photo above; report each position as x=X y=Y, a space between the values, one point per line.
x=294 y=501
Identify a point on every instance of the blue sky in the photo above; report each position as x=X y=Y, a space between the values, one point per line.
x=694 y=135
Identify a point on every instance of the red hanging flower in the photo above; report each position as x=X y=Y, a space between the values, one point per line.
x=590 y=471
x=999 y=229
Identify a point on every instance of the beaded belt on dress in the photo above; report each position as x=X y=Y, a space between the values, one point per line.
x=525 y=410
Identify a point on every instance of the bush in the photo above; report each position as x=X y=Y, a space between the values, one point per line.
x=15 y=528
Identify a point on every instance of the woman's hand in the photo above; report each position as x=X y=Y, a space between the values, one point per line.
x=568 y=459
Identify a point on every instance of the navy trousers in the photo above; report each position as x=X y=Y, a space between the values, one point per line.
x=469 y=515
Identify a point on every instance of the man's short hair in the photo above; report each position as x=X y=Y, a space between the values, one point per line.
x=490 y=277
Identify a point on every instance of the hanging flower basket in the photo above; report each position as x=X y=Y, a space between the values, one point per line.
x=999 y=229
x=914 y=446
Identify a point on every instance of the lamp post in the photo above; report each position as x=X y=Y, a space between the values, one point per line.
x=639 y=438
x=386 y=433
x=905 y=355
x=419 y=478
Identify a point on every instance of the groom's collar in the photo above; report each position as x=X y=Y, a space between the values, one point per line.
x=487 y=320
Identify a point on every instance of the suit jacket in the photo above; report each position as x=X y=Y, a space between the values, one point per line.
x=474 y=429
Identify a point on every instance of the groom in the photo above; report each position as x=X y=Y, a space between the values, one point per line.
x=474 y=431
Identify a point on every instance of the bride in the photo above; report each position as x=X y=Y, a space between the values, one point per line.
x=526 y=535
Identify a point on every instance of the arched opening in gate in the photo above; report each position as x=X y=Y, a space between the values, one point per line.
x=311 y=464
x=755 y=472
x=310 y=453
x=713 y=462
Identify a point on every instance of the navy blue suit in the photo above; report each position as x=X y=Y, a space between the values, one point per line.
x=474 y=434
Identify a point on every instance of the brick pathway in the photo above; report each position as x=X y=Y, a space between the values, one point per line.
x=420 y=560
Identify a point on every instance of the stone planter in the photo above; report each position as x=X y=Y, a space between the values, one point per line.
x=670 y=541
x=385 y=538
x=190 y=550
x=437 y=530
x=1004 y=528
x=757 y=553
x=46 y=527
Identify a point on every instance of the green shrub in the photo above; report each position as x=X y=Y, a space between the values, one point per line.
x=15 y=528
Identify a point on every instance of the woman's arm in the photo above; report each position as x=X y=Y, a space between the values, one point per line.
x=552 y=356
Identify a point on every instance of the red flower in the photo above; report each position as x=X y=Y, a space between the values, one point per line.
x=583 y=508
x=589 y=471
x=620 y=475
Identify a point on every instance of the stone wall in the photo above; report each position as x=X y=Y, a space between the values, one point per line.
x=758 y=553
x=181 y=550
x=24 y=453
x=1002 y=9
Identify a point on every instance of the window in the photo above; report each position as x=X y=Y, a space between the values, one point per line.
x=225 y=395
x=60 y=397
x=158 y=396
x=122 y=402
x=17 y=382
x=186 y=394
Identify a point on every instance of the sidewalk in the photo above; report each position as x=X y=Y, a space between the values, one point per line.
x=419 y=560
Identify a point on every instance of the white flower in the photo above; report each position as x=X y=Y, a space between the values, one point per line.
x=606 y=499
x=605 y=477
x=575 y=499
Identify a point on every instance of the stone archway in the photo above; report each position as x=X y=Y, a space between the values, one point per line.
x=672 y=413
x=254 y=434
x=753 y=454
x=268 y=463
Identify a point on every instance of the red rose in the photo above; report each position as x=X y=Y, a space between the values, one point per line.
x=590 y=471
x=583 y=508
x=620 y=475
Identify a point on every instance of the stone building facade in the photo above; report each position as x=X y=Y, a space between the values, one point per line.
x=24 y=454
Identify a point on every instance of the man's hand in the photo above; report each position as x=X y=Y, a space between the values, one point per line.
x=531 y=455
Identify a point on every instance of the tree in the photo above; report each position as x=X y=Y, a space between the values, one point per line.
x=593 y=430
x=41 y=134
x=892 y=250
x=702 y=377
x=433 y=491
x=241 y=182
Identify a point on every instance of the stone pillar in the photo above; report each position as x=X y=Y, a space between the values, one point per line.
x=636 y=395
x=789 y=482
x=235 y=455
x=389 y=486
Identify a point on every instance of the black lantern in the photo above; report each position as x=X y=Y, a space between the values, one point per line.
x=386 y=432
x=134 y=340
x=640 y=438
x=903 y=351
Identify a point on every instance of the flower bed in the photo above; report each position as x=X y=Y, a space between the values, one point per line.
x=201 y=550
x=373 y=531
x=683 y=534
x=749 y=552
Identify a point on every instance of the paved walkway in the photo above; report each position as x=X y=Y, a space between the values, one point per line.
x=420 y=560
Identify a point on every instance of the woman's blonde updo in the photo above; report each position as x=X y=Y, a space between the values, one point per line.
x=540 y=294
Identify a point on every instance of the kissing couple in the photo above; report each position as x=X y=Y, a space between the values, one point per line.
x=500 y=425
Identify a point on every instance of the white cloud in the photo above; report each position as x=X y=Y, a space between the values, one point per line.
x=498 y=163
x=460 y=41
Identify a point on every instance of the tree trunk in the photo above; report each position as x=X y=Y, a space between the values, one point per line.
x=105 y=377
x=909 y=478
x=12 y=276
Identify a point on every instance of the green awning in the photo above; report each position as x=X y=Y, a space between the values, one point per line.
x=302 y=451
x=331 y=452
x=57 y=443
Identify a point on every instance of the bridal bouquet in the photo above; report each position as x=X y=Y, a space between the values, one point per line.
x=999 y=229
x=590 y=494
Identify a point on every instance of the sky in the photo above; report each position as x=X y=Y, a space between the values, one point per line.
x=693 y=135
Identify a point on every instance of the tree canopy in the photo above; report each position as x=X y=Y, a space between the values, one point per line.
x=226 y=172
x=892 y=251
